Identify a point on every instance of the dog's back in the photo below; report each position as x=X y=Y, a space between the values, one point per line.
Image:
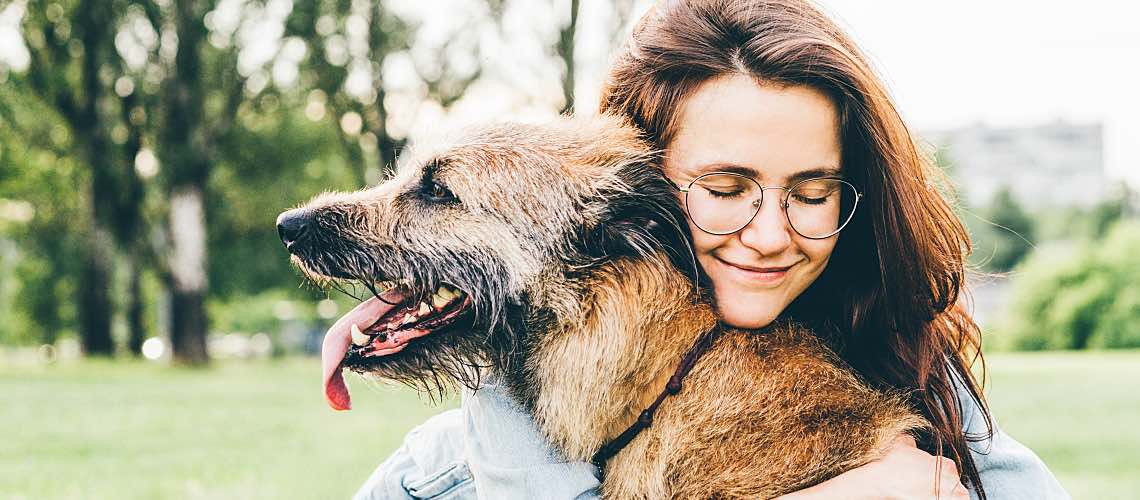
x=761 y=414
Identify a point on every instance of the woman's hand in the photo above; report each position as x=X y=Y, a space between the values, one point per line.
x=904 y=472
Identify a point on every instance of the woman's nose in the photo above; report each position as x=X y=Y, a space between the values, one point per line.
x=768 y=233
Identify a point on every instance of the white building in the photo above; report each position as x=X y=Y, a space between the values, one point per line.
x=1056 y=164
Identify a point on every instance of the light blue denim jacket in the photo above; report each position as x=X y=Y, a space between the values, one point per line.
x=490 y=448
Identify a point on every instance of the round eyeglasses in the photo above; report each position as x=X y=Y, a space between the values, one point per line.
x=723 y=203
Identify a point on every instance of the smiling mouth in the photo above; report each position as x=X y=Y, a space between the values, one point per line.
x=754 y=269
x=767 y=275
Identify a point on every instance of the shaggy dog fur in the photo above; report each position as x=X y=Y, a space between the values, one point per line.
x=573 y=251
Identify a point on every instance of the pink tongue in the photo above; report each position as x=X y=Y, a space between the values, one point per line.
x=337 y=340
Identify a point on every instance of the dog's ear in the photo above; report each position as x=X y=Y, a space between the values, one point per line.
x=642 y=218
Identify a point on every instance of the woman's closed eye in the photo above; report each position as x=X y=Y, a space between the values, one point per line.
x=813 y=195
x=725 y=192
x=810 y=198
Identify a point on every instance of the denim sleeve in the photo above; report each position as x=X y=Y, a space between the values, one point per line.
x=429 y=464
x=1008 y=469
x=510 y=458
x=488 y=449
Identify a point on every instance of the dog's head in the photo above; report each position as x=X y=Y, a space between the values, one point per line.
x=481 y=244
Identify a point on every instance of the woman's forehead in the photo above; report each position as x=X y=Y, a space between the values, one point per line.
x=775 y=132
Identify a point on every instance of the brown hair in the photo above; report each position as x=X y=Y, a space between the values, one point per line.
x=899 y=323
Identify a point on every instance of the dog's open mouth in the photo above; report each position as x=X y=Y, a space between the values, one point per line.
x=408 y=320
x=377 y=328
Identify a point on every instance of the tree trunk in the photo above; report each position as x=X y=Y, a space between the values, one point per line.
x=95 y=295
x=188 y=276
x=186 y=150
x=136 y=331
x=387 y=146
x=188 y=327
x=566 y=53
x=95 y=290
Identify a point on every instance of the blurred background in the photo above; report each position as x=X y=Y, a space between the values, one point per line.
x=155 y=342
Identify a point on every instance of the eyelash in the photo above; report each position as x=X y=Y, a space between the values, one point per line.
x=432 y=190
x=724 y=194
x=436 y=192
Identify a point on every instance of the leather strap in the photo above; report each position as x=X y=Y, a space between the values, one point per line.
x=674 y=385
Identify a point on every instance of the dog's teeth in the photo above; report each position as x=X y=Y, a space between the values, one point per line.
x=358 y=337
x=408 y=318
x=424 y=309
x=439 y=301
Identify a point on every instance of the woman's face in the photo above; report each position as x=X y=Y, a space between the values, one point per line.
x=776 y=135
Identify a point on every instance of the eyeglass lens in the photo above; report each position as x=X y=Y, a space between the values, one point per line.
x=723 y=203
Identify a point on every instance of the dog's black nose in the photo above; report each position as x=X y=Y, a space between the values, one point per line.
x=291 y=226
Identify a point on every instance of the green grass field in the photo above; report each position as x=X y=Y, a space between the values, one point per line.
x=262 y=430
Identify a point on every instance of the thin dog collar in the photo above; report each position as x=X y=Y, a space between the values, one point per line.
x=644 y=420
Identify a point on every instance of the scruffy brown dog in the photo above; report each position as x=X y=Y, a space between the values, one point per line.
x=557 y=257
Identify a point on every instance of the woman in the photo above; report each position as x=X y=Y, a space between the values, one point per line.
x=760 y=100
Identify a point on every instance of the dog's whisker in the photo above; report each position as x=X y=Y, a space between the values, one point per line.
x=336 y=285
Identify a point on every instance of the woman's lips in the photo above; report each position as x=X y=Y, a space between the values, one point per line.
x=757 y=275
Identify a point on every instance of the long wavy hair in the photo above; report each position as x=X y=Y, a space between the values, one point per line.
x=889 y=299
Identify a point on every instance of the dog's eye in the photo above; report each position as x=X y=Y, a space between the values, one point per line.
x=437 y=192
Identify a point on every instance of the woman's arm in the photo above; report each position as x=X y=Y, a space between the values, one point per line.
x=510 y=458
x=490 y=448
x=429 y=464
x=904 y=472
x=1007 y=469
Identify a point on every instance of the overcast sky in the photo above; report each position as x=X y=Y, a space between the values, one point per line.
x=949 y=64
x=1009 y=62
x=1003 y=63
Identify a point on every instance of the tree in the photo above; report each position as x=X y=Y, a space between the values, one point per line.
x=40 y=244
x=360 y=113
x=1104 y=215
x=565 y=51
x=564 y=46
x=1005 y=234
x=1082 y=295
x=122 y=76
x=73 y=69
x=186 y=151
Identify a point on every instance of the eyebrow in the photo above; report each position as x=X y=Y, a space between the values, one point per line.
x=732 y=168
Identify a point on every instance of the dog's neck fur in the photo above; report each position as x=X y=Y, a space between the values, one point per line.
x=610 y=354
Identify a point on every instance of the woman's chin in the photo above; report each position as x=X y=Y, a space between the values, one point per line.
x=745 y=315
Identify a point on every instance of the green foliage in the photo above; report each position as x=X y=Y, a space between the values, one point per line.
x=39 y=265
x=1076 y=223
x=1004 y=235
x=1076 y=296
x=272 y=163
x=104 y=87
